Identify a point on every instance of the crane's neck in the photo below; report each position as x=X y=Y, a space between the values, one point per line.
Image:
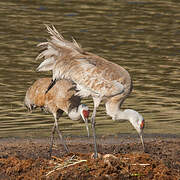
x=128 y=114
x=120 y=115
x=75 y=114
x=135 y=118
x=114 y=111
x=131 y=115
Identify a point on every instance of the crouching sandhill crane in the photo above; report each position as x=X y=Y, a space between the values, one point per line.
x=93 y=75
x=61 y=98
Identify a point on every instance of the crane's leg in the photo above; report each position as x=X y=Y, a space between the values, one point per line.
x=94 y=131
x=60 y=136
x=52 y=139
x=96 y=104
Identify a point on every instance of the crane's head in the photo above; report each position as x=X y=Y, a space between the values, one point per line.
x=84 y=111
x=137 y=121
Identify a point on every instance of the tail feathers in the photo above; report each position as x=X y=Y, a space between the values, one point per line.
x=57 y=45
x=55 y=48
x=47 y=64
x=49 y=52
x=59 y=40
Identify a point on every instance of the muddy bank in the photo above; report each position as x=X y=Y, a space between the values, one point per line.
x=28 y=159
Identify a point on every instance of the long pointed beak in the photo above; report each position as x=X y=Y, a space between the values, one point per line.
x=87 y=127
x=142 y=140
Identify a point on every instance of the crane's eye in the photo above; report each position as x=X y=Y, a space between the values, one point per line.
x=86 y=113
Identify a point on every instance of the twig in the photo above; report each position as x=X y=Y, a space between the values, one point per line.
x=69 y=162
x=141 y=164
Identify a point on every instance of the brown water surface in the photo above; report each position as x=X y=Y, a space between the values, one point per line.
x=142 y=36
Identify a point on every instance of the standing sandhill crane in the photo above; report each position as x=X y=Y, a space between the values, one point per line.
x=93 y=75
x=61 y=98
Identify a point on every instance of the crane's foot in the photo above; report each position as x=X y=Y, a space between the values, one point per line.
x=50 y=153
x=98 y=156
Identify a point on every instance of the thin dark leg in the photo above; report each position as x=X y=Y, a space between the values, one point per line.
x=60 y=136
x=94 y=132
x=52 y=139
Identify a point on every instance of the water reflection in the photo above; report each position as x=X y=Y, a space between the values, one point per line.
x=141 y=36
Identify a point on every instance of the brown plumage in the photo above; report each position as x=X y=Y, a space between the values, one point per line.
x=93 y=75
x=61 y=98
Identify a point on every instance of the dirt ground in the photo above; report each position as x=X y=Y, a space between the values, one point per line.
x=118 y=159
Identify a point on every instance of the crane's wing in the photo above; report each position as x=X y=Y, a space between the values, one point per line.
x=68 y=60
x=89 y=79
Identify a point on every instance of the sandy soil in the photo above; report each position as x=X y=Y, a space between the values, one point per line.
x=119 y=159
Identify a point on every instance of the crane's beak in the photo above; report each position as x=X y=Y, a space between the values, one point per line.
x=86 y=123
x=142 y=140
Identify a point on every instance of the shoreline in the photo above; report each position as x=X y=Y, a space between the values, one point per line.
x=21 y=158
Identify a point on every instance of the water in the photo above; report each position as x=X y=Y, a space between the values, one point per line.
x=142 y=36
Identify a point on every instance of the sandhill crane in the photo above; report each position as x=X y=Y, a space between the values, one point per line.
x=93 y=75
x=61 y=98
